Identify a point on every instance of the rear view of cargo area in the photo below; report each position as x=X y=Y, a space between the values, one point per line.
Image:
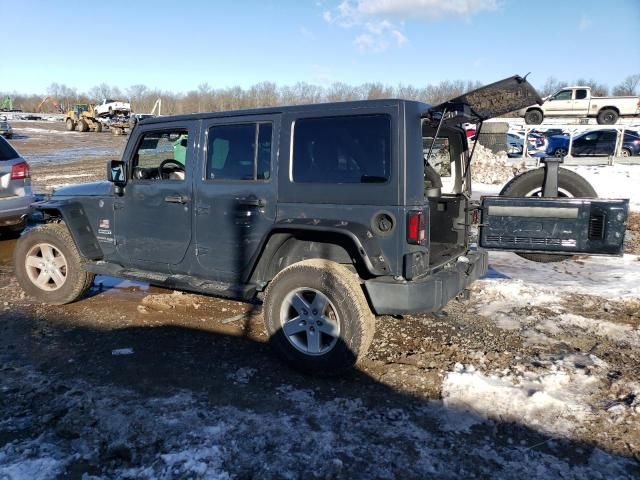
x=447 y=224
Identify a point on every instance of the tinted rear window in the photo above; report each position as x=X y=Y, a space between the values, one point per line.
x=6 y=151
x=347 y=149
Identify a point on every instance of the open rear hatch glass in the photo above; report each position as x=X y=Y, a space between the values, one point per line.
x=554 y=225
x=487 y=102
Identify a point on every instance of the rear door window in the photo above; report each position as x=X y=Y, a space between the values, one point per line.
x=581 y=94
x=344 y=149
x=239 y=152
x=6 y=151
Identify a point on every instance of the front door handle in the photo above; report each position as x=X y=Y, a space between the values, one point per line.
x=181 y=199
x=252 y=201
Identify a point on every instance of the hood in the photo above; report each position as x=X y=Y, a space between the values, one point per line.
x=84 y=190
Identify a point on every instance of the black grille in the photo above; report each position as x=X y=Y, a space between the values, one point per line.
x=597 y=222
x=529 y=241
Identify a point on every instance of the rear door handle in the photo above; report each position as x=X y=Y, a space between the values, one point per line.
x=252 y=201
x=181 y=199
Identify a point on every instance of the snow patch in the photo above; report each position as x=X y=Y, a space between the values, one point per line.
x=552 y=401
x=606 y=277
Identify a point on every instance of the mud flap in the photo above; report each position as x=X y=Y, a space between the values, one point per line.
x=554 y=225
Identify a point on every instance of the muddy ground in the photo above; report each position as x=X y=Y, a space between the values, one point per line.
x=135 y=381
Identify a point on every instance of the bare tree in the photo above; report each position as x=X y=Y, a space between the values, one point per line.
x=597 y=89
x=629 y=86
x=551 y=86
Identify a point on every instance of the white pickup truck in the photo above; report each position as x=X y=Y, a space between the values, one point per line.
x=578 y=102
x=109 y=108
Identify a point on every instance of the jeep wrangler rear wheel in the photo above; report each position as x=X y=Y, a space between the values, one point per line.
x=317 y=317
x=49 y=266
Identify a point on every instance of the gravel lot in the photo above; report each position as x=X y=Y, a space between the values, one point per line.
x=536 y=375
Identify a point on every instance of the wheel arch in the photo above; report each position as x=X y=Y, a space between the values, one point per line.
x=609 y=107
x=285 y=246
x=73 y=216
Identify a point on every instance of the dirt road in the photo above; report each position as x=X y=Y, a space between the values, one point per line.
x=536 y=375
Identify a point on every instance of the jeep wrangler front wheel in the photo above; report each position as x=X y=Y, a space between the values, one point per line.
x=49 y=266
x=317 y=317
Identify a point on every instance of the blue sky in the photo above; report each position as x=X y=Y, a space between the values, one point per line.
x=178 y=45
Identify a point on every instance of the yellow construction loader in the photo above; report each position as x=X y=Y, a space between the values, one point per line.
x=82 y=118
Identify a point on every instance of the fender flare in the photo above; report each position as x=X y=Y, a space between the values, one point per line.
x=74 y=216
x=364 y=245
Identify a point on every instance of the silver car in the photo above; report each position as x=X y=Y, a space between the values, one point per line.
x=5 y=127
x=15 y=189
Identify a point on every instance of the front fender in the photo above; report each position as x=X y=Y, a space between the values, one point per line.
x=75 y=217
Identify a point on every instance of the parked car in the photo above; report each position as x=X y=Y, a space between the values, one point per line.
x=515 y=145
x=15 y=189
x=594 y=142
x=110 y=108
x=330 y=210
x=5 y=127
x=536 y=140
x=578 y=102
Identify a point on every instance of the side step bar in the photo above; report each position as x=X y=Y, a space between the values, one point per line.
x=178 y=282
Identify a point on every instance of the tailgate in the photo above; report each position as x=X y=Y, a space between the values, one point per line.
x=554 y=225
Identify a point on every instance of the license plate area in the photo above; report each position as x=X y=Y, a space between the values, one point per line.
x=554 y=225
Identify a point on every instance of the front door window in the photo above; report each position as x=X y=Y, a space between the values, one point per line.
x=161 y=156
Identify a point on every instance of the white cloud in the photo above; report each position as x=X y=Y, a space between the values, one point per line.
x=429 y=9
x=399 y=37
x=584 y=23
x=378 y=27
x=371 y=43
x=377 y=31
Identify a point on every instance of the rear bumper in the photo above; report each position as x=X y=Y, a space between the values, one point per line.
x=14 y=209
x=429 y=294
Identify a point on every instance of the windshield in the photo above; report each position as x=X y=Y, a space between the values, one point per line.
x=6 y=151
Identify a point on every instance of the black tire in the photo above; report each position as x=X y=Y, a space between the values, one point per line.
x=607 y=116
x=529 y=184
x=70 y=125
x=533 y=117
x=57 y=237
x=346 y=307
x=83 y=126
x=98 y=127
x=12 y=231
x=560 y=152
x=626 y=152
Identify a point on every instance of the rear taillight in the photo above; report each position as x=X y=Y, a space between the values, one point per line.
x=20 y=171
x=415 y=227
x=636 y=142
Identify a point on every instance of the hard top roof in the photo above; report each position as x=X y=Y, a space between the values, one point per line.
x=314 y=107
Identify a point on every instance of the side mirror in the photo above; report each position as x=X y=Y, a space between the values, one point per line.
x=117 y=174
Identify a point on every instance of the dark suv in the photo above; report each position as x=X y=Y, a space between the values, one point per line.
x=335 y=211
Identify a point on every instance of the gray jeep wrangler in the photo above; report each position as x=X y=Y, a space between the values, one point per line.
x=331 y=214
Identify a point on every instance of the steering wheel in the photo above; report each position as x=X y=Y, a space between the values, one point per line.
x=169 y=161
